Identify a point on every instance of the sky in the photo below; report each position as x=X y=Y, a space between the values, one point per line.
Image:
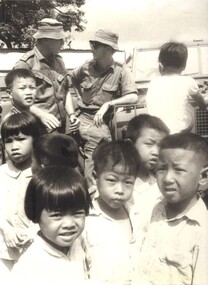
x=145 y=23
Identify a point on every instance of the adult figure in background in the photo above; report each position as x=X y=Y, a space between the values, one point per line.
x=53 y=99
x=101 y=83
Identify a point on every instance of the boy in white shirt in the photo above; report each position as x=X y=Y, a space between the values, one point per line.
x=168 y=96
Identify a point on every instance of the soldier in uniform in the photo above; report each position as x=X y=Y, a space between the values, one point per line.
x=53 y=101
x=101 y=83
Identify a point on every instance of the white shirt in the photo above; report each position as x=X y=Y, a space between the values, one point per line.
x=173 y=247
x=44 y=264
x=114 y=257
x=167 y=98
x=13 y=187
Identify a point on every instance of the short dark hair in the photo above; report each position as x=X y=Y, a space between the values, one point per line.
x=187 y=141
x=108 y=155
x=24 y=123
x=56 y=149
x=142 y=121
x=174 y=55
x=56 y=188
x=18 y=73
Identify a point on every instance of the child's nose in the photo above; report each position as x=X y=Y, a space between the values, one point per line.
x=168 y=178
x=68 y=221
x=120 y=188
x=15 y=145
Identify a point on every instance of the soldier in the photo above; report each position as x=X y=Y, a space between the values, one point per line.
x=53 y=101
x=101 y=83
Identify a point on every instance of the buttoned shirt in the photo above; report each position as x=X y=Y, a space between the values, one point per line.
x=13 y=187
x=98 y=87
x=53 y=82
x=114 y=256
x=171 y=249
x=44 y=264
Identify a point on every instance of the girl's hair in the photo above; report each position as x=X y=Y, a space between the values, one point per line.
x=24 y=123
x=18 y=73
x=110 y=155
x=56 y=188
x=142 y=121
x=56 y=149
x=173 y=55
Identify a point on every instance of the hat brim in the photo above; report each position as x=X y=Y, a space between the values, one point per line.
x=105 y=42
x=52 y=35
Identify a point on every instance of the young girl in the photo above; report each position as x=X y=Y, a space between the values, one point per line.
x=18 y=133
x=57 y=199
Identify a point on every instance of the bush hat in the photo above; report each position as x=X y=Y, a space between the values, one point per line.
x=50 y=29
x=106 y=37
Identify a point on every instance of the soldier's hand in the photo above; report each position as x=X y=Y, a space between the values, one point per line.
x=98 y=119
x=74 y=123
x=50 y=121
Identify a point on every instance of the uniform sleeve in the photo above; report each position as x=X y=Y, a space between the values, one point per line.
x=21 y=64
x=128 y=85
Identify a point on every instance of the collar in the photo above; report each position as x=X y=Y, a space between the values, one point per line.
x=13 y=172
x=195 y=213
x=96 y=211
x=14 y=110
x=95 y=66
x=38 y=54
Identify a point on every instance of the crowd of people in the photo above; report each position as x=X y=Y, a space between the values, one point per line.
x=133 y=213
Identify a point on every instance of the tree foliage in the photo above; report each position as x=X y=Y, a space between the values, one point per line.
x=19 y=18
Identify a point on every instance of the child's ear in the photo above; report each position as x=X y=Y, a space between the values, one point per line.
x=94 y=174
x=8 y=92
x=204 y=176
x=161 y=67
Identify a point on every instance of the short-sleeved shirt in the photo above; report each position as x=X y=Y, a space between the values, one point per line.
x=114 y=257
x=44 y=264
x=14 y=184
x=53 y=81
x=99 y=87
x=167 y=98
x=170 y=251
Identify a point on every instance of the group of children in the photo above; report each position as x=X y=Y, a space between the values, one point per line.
x=145 y=224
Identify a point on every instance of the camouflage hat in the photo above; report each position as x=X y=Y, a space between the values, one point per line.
x=106 y=37
x=51 y=29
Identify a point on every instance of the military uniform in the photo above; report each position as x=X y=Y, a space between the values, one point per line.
x=53 y=82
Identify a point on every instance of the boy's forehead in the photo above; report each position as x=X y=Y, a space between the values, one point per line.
x=148 y=131
x=179 y=154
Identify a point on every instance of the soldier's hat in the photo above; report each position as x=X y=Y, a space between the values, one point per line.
x=51 y=29
x=106 y=37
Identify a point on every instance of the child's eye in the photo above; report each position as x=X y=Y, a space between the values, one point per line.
x=55 y=215
x=79 y=213
x=180 y=169
x=8 y=140
x=129 y=182
x=111 y=180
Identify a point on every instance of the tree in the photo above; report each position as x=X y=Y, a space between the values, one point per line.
x=19 y=18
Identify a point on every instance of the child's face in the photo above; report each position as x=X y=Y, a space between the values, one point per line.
x=19 y=148
x=23 y=92
x=115 y=188
x=62 y=229
x=178 y=175
x=147 y=146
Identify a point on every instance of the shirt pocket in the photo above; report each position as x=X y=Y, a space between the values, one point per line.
x=87 y=92
x=109 y=92
x=177 y=256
